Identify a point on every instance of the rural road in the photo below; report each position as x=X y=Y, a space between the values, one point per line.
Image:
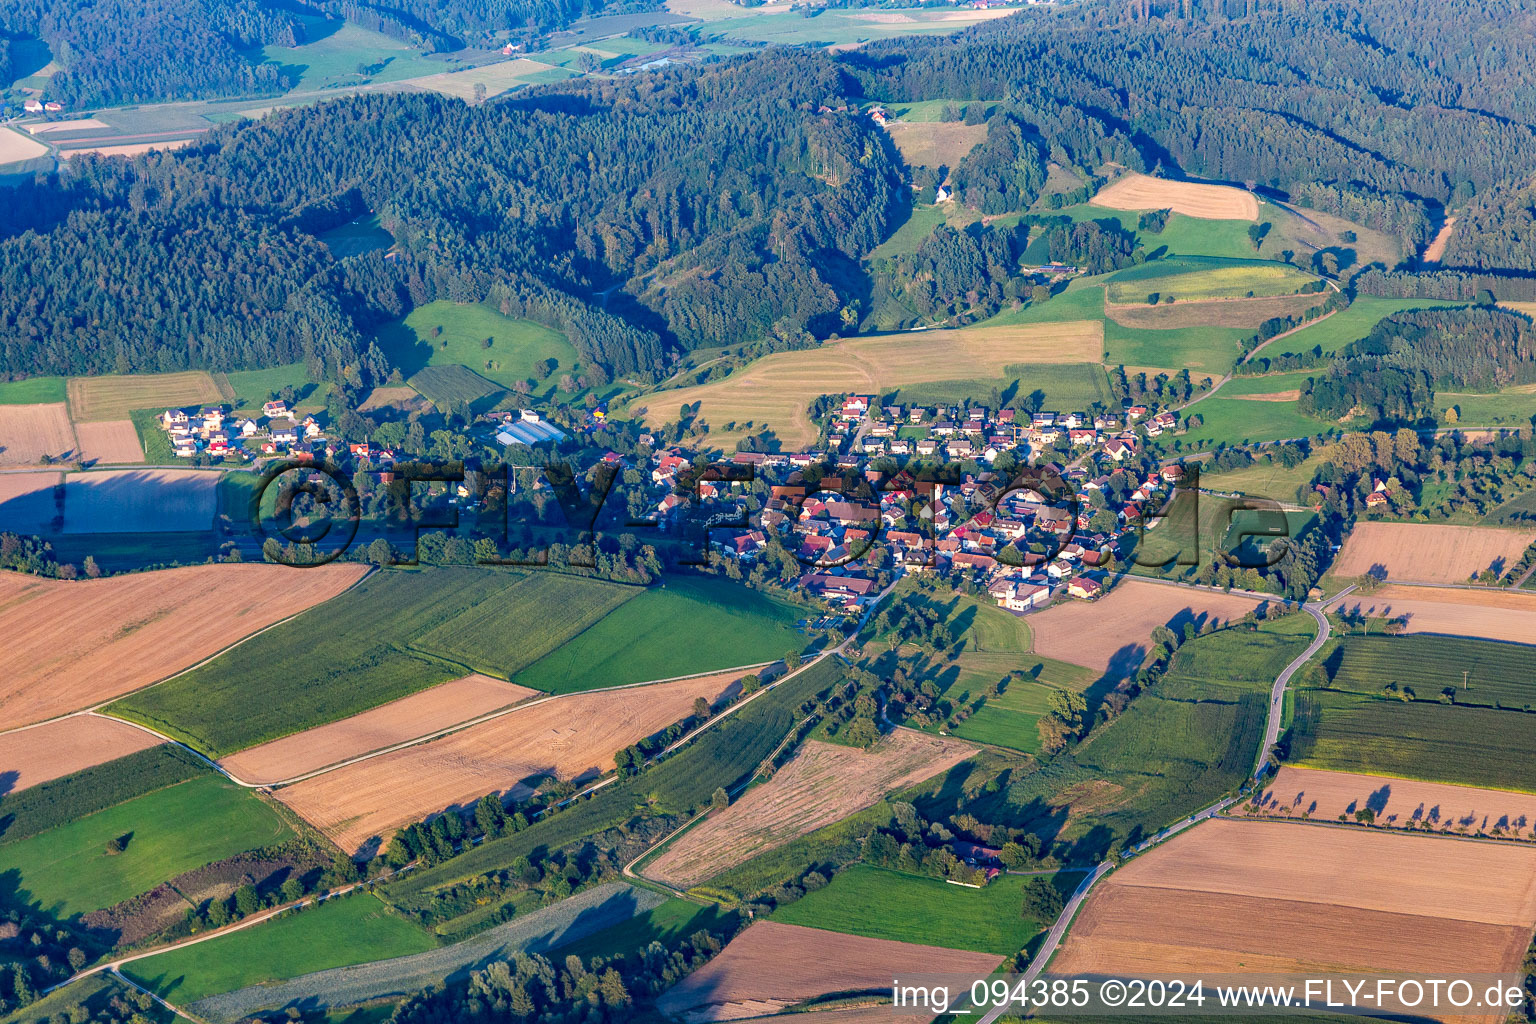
x=1277 y=692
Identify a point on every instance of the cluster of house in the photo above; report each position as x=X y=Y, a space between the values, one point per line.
x=33 y=105
x=1023 y=546
x=211 y=431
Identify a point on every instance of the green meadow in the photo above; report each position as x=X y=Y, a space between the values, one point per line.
x=448 y=334
x=339 y=932
x=69 y=869
x=691 y=624
x=32 y=391
x=884 y=904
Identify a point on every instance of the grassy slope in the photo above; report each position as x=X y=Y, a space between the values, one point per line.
x=693 y=624
x=351 y=930
x=1264 y=479
x=177 y=829
x=515 y=347
x=672 y=921
x=882 y=904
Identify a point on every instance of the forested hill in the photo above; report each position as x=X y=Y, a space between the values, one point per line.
x=1367 y=109
x=138 y=51
x=720 y=197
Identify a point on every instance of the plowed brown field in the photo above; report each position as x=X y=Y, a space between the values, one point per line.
x=29 y=432
x=1429 y=552
x=824 y=783
x=770 y=966
x=109 y=442
x=1508 y=615
x=1117 y=628
x=420 y=714
x=570 y=737
x=71 y=645
x=1248 y=896
x=1397 y=803
x=1210 y=202
x=56 y=749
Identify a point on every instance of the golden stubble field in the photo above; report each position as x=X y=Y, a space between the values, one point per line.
x=1321 y=795
x=29 y=432
x=421 y=714
x=1429 y=552
x=777 y=390
x=74 y=644
x=1508 y=615
x=574 y=736
x=1209 y=202
x=1099 y=633
x=825 y=782
x=114 y=397
x=109 y=442
x=1248 y=313
x=771 y=966
x=1260 y=897
x=55 y=749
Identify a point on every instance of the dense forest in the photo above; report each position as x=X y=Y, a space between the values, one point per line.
x=142 y=51
x=718 y=199
x=1356 y=109
x=1390 y=375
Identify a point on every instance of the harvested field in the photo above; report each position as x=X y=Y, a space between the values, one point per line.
x=1271 y=396
x=1117 y=628
x=1429 y=553
x=113 y=398
x=1396 y=803
x=1252 y=897
x=1508 y=615
x=16 y=147
x=27 y=502
x=771 y=966
x=935 y=143
x=1214 y=313
x=56 y=749
x=71 y=645
x=399 y=721
x=571 y=737
x=29 y=432
x=497 y=78
x=109 y=441
x=824 y=783
x=777 y=390
x=140 y=501
x=902 y=18
x=126 y=149
x=1209 y=202
x=79 y=124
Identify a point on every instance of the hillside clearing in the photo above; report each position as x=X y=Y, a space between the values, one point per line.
x=822 y=784
x=570 y=738
x=771 y=966
x=776 y=391
x=1116 y=630
x=420 y=714
x=935 y=143
x=1429 y=552
x=1208 y=202
x=56 y=749
x=74 y=644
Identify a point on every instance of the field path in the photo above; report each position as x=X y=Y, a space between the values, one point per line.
x=1054 y=937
